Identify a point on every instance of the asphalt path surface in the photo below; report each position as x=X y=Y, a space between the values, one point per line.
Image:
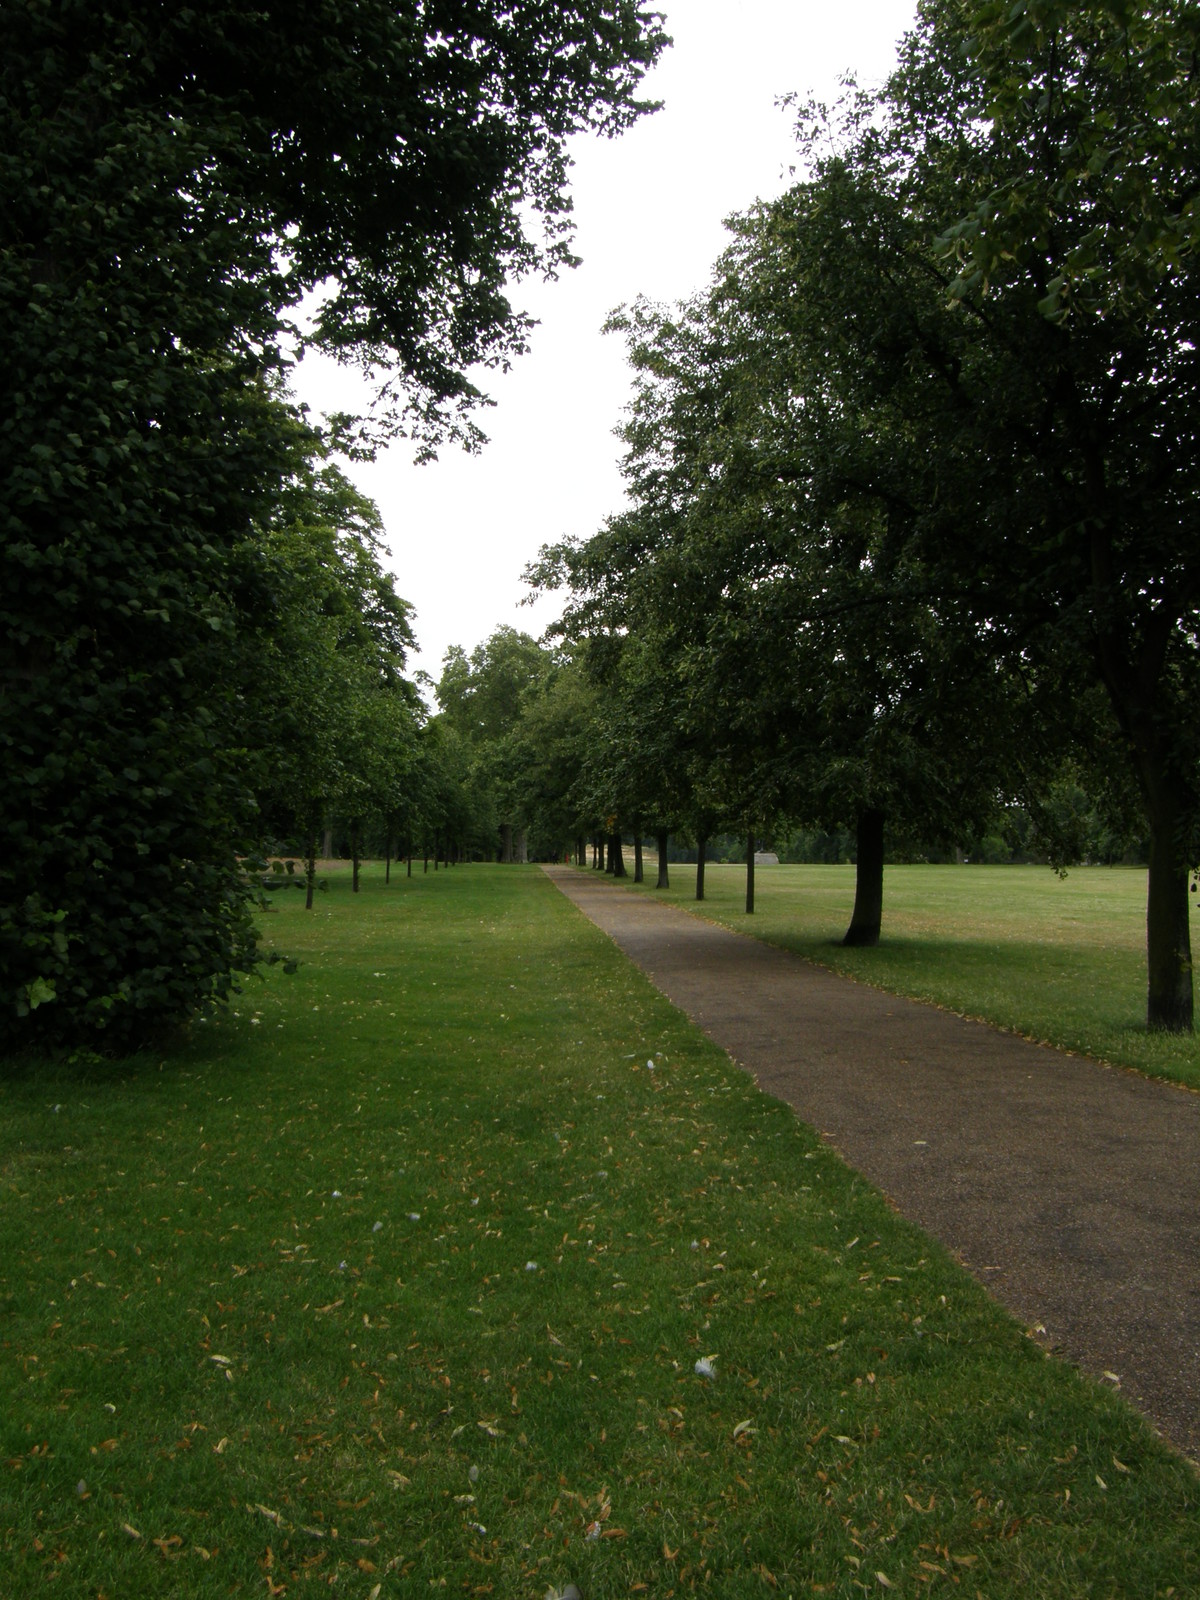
x=1070 y=1189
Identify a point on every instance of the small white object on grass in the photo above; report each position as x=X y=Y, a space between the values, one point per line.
x=378 y=1228
x=531 y=1266
x=414 y=1216
x=336 y=1195
x=706 y=1367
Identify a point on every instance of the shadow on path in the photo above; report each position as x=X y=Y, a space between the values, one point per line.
x=1070 y=1189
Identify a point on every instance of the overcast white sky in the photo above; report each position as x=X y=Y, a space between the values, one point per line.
x=649 y=209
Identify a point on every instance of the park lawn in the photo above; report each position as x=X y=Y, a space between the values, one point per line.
x=396 y=1280
x=1060 y=960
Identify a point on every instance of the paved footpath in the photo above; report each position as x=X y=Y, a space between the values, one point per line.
x=1070 y=1189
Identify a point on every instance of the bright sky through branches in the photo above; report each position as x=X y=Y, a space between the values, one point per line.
x=648 y=208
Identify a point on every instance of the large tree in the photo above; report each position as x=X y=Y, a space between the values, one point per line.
x=174 y=180
x=1051 y=158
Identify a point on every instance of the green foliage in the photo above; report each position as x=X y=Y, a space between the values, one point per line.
x=916 y=477
x=172 y=180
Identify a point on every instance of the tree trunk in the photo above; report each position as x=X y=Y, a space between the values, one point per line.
x=618 y=856
x=750 y=873
x=581 y=851
x=868 y=881
x=664 y=877
x=387 y=864
x=310 y=868
x=354 y=855
x=409 y=874
x=637 y=857
x=1141 y=695
x=521 y=846
x=1169 y=1004
x=701 y=850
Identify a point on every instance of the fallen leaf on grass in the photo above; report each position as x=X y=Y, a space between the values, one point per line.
x=744 y=1428
x=133 y=1532
x=882 y=1577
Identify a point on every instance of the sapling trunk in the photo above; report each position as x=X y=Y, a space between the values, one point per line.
x=637 y=857
x=750 y=873
x=701 y=850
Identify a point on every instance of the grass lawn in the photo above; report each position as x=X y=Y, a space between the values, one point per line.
x=1058 y=960
x=459 y=1262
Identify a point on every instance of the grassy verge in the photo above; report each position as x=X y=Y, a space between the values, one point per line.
x=460 y=1262
x=1058 y=960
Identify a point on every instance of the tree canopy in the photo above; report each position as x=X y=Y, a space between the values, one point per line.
x=174 y=181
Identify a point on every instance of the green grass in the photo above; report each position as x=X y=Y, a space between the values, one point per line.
x=395 y=1282
x=1058 y=960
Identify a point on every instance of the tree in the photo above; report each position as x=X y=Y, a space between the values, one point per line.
x=1053 y=168
x=175 y=180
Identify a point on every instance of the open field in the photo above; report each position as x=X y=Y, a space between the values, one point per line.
x=460 y=1262
x=1061 y=960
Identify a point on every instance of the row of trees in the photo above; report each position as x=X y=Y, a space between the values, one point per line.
x=912 y=484
x=194 y=633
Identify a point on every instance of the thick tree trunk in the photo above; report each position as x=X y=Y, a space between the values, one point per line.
x=868 y=882
x=701 y=849
x=637 y=857
x=664 y=877
x=750 y=873
x=618 y=857
x=1169 y=1003
x=506 y=843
